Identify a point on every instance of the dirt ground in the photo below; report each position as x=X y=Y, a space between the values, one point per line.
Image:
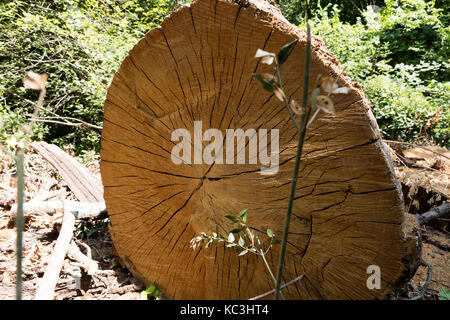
x=423 y=172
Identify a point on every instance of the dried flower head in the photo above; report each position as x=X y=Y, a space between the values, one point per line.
x=330 y=86
x=296 y=108
x=266 y=57
x=279 y=93
x=325 y=104
x=268 y=77
x=35 y=81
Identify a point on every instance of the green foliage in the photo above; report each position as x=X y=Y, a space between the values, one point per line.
x=87 y=229
x=294 y=10
x=151 y=292
x=79 y=44
x=403 y=112
x=444 y=294
x=401 y=56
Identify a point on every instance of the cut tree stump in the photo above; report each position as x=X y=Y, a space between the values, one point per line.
x=348 y=212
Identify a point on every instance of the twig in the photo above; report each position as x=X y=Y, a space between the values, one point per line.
x=84 y=261
x=316 y=287
x=434 y=213
x=427 y=282
x=70 y=124
x=273 y=290
x=85 y=209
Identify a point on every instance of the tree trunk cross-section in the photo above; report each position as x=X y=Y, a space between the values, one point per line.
x=198 y=66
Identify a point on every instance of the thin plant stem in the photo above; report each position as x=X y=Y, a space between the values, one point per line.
x=270 y=271
x=286 y=102
x=19 y=221
x=301 y=140
x=20 y=159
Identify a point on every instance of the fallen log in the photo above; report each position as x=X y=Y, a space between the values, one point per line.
x=84 y=185
x=84 y=209
x=195 y=72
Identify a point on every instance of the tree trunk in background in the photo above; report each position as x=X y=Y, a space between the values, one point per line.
x=198 y=66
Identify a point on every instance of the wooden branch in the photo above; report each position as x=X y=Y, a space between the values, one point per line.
x=84 y=185
x=49 y=195
x=85 y=209
x=72 y=211
x=46 y=288
x=84 y=261
x=70 y=124
x=434 y=213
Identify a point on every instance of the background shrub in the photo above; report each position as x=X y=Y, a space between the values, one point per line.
x=400 y=54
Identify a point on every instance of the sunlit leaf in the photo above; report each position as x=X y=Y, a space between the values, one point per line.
x=150 y=289
x=243 y=215
x=243 y=252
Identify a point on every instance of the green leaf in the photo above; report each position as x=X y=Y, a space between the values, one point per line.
x=275 y=241
x=243 y=252
x=237 y=230
x=444 y=294
x=209 y=243
x=270 y=233
x=231 y=245
x=243 y=215
x=268 y=86
x=231 y=217
x=231 y=237
x=241 y=242
x=150 y=288
x=157 y=293
x=285 y=51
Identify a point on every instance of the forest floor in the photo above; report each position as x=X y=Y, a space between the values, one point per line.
x=424 y=173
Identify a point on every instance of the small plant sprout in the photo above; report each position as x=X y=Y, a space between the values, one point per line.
x=242 y=238
x=151 y=292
